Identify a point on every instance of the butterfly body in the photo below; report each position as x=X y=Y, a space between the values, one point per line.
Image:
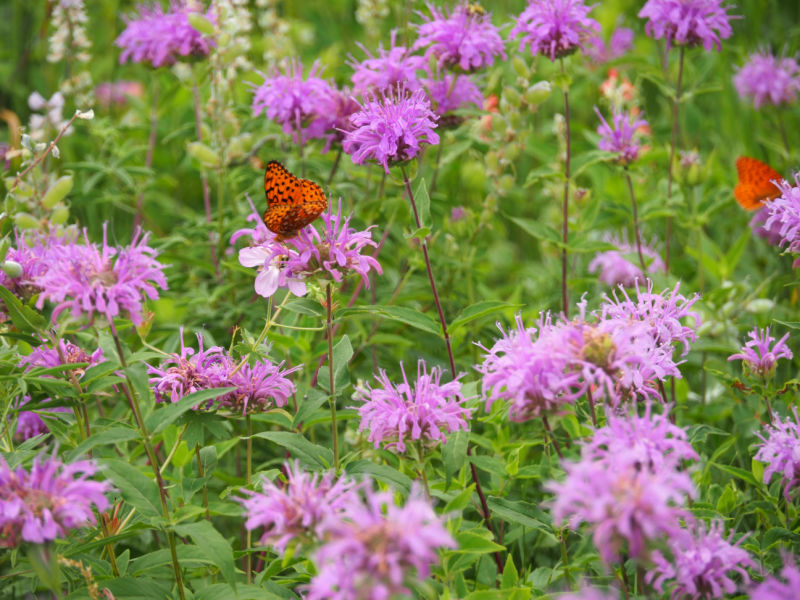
x=755 y=183
x=292 y=203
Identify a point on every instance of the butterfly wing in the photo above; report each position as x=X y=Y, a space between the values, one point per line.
x=292 y=203
x=755 y=183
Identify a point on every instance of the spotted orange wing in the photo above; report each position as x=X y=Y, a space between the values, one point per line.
x=292 y=203
x=755 y=183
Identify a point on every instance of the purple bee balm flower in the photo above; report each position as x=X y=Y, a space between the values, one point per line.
x=621 y=266
x=527 y=369
x=689 y=22
x=295 y=511
x=45 y=503
x=374 y=546
x=452 y=92
x=648 y=442
x=110 y=281
x=342 y=106
x=32 y=253
x=555 y=28
x=463 y=38
x=784 y=215
x=759 y=355
x=628 y=509
x=332 y=253
x=620 y=43
x=161 y=38
x=391 y=70
x=702 y=563
x=259 y=387
x=780 y=451
x=29 y=423
x=391 y=129
x=259 y=234
x=758 y=224
x=300 y=106
x=426 y=410
x=773 y=588
x=620 y=137
x=662 y=313
x=768 y=79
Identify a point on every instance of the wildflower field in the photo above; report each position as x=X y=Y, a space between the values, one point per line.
x=372 y=299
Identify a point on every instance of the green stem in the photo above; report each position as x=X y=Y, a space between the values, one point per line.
x=565 y=558
x=201 y=473
x=672 y=144
x=248 y=477
x=565 y=203
x=635 y=222
x=331 y=380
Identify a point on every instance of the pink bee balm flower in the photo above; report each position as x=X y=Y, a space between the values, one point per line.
x=461 y=38
x=621 y=136
x=701 y=566
x=555 y=28
x=448 y=95
x=689 y=22
x=616 y=268
x=391 y=129
x=375 y=546
x=768 y=79
x=772 y=588
x=161 y=38
x=760 y=355
x=620 y=43
x=780 y=451
x=784 y=215
x=300 y=106
x=426 y=410
x=48 y=501
x=295 y=511
x=393 y=69
x=110 y=281
x=333 y=253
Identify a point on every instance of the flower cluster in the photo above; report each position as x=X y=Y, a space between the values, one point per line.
x=451 y=92
x=619 y=44
x=768 y=79
x=463 y=38
x=773 y=588
x=391 y=70
x=424 y=410
x=630 y=499
x=375 y=546
x=784 y=215
x=43 y=504
x=257 y=387
x=780 y=451
x=701 y=565
x=621 y=136
x=110 y=281
x=29 y=423
x=334 y=252
x=391 y=128
x=617 y=268
x=760 y=355
x=619 y=352
x=687 y=22
x=297 y=511
x=302 y=107
x=52 y=117
x=555 y=28
x=162 y=38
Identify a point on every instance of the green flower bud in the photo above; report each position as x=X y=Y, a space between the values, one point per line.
x=520 y=67
x=25 y=220
x=538 y=92
x=57 y=192
x=203 y=153
x=199 y=22
x=12 y=268
x=760 y=306
x=492 y=160
x=59 y=215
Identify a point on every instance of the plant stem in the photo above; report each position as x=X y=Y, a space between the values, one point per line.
x=299 y=130
x=487 y=516
x=672 y=143
x=421 y=470
x=198 y=129
x=784 y=137
x=248 y=477
x=148 y=159
x=424 y=245
x=591 y=407
x=335 y=166
x=331 y=380
x=42 y=156
x=202 y=474
x=565 y=558
x=565 y=205
x=635 y=222
x=552 y=437
x=435 y=175
x=130 y=394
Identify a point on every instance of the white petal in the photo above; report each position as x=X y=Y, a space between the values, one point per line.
x=254 y=256
x=267 y=282
x=296 y=286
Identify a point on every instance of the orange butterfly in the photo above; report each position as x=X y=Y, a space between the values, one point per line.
x=292 y=203
x=755 y=183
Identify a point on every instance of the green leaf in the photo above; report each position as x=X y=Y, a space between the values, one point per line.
x=311 y=454
x=401 y=314
x=115 y=435
x=342 y=353
x=423 y=202
x=136 y=488
x=220 y=591
x=163 y=417
x=460 y=500
x=454 y=454
x=474 y=543
x=213 y=545
x=128 y=588
x=510 y=574
x=308 y=405
x=477 y=310
x=745 y=476
x=516 y=511
x=539 y=230
x=23 y=317
x=383 y=473
x=304 y=306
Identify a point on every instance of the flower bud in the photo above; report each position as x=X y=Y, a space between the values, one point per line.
x=12 y=268
x=520 y=67
x=760 y=306
x=59 y=215
x=25 y=220
x=199 y=22
x=538 y=92
x=203 y=153
x=512 y=96
x=57 y=192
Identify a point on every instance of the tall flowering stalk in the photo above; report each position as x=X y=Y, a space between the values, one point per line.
x=557 y=28
x=684 y=23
